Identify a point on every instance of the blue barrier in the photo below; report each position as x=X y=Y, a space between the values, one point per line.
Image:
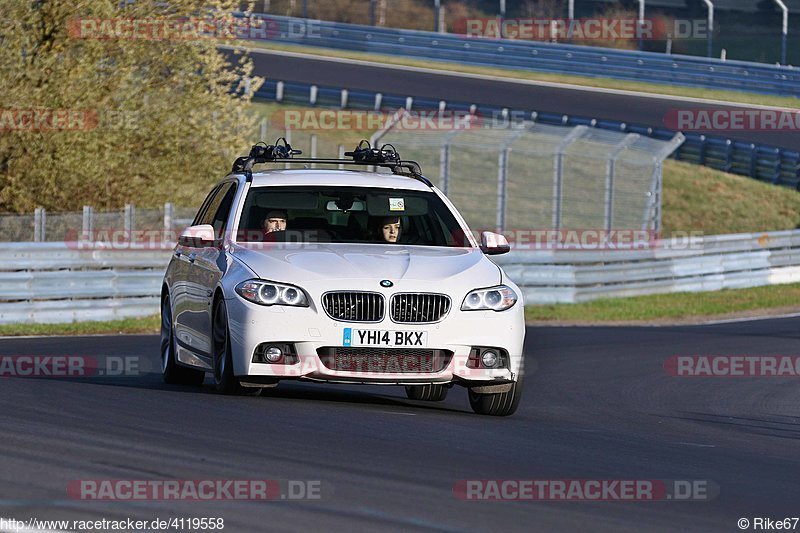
x=765 y=163
x=629 y=65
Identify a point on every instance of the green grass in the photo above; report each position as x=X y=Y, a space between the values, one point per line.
x=698 y=198
x=683 y=305
x=608 y=83
x=150 y=324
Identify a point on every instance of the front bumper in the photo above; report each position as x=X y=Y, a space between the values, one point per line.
x=311 y=330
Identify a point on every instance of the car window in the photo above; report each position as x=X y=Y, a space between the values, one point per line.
x=204 y=207
x=350 y=215
x=226 y=194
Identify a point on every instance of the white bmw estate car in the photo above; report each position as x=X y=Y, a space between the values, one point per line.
x=367 y=275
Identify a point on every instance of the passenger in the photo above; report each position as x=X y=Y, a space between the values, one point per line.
x=387 y=229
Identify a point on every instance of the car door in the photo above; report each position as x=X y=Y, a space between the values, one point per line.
x=210 y=262
x=188 y=299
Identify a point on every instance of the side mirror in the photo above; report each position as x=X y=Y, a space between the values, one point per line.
x=494 y=243
x=200 y=236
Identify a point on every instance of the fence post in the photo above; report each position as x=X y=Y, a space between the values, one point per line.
x=341 y=155
x=502 y=177
x=168 y=217
x=576 y=133
x=39 y=224
x=263 y=129
x=313 y=149
x=88 y=222
x=288 y=135
x=613 y=155
x=128 y=215
x=444 y=165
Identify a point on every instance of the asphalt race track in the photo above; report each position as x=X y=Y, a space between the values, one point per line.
x=598 y=405
x=609 y=105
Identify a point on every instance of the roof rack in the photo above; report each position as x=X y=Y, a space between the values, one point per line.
x=364 y=154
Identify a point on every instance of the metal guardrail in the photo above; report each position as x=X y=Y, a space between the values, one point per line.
x=60 y=282
x=52 y=282
x=652 y=67
x=683 y=265
x=765 y=163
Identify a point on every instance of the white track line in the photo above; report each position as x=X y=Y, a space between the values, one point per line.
x=555 y=85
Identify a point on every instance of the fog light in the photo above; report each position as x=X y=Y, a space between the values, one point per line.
x=273 y=354
x=490 y=358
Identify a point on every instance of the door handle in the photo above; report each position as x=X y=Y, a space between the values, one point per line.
x=178 y=253
x=192 y=257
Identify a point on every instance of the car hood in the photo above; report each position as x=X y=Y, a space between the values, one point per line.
x=297 y=263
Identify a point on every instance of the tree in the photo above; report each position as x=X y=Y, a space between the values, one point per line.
x=95 y=113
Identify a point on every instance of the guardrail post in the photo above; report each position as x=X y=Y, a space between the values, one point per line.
x=753 y=161
x=312 y=95
x=39 y=224
x=279 y=91
x=343 y=99
x=409 y=102
x=576 y=133
x=341 y=155
x=169 y=211
x=313 y=148
x=728 y=155
x=776 y=174
x=88 y=223
x=129 y=213
x=378 y=101
x=702 y=154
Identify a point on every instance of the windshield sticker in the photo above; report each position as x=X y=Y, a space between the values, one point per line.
x=396 y=204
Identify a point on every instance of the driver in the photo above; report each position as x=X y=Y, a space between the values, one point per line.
x=274 y=221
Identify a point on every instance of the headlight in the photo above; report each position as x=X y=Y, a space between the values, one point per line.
x=492 y=299
x=271 y=293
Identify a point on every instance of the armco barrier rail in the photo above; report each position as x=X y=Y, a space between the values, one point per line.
x=540 y=56
x=64 y=282
x=60 y=282
x=766 y=163
x=682 y=265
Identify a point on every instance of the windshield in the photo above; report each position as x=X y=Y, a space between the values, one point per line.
x=348 y=215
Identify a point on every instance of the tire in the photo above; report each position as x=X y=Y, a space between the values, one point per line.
x=499 y=404
x=224 y=380
x=428 y=393
x=171 y=371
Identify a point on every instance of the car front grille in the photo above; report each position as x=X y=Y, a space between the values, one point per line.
x=354 y=306
x=385 y=360
x=419 y=307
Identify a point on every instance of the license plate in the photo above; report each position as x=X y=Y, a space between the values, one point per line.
x=384 y=338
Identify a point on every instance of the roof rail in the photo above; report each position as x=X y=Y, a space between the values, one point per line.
x=364 y=154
